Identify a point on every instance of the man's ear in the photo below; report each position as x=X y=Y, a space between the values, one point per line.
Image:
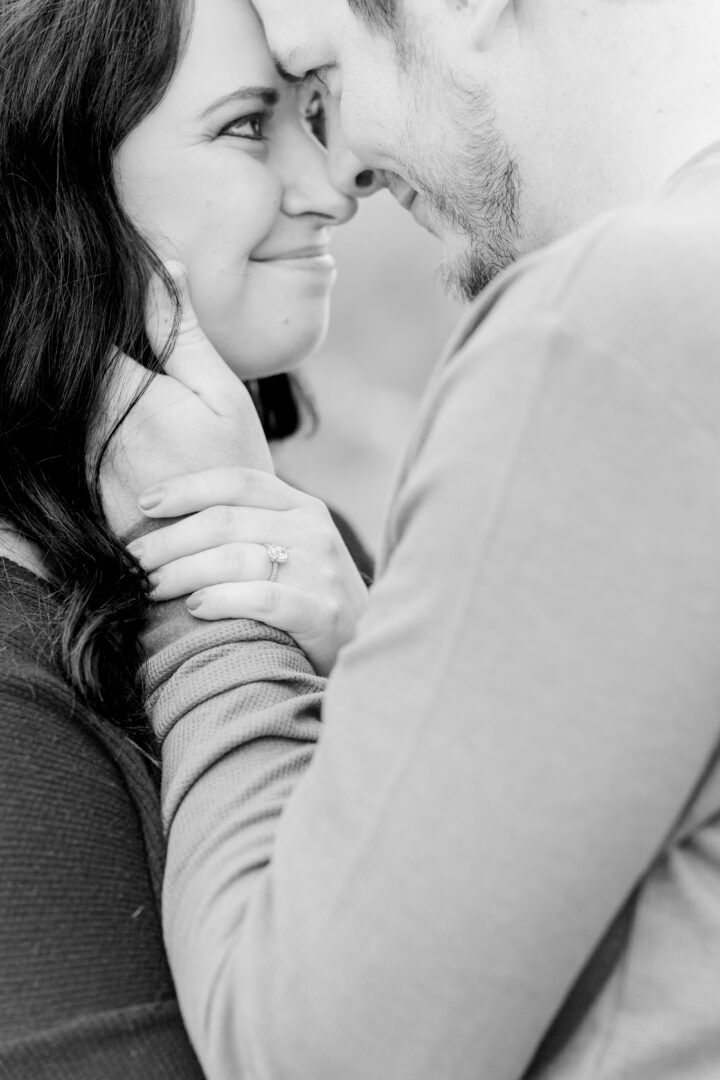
x=485 y=15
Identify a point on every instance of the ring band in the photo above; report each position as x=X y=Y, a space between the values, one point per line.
x=277 y=555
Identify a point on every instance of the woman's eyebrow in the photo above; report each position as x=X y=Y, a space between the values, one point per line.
x=267 y=94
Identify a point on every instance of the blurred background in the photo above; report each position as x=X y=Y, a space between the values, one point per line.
x=389 y=324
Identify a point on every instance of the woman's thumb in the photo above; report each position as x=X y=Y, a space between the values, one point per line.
x=172 y=324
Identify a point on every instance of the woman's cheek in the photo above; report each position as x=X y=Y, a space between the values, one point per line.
x=263 y=207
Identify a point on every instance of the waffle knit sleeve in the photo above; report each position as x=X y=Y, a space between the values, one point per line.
x=506 y=746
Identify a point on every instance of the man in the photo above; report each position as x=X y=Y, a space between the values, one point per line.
x=503 y=857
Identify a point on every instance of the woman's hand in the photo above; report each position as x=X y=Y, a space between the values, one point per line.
x=220 y=556
x=197 y=414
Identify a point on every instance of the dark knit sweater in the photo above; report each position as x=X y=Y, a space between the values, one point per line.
x=85 y=991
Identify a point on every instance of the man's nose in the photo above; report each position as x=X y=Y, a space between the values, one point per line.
x=348 y=173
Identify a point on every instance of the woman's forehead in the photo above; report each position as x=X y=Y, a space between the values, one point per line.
x=226 y=49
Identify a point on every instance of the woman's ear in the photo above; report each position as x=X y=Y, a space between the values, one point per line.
x=485 y=16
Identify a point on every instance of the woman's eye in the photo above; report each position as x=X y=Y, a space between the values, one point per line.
x=315 y=117
x=247 y=127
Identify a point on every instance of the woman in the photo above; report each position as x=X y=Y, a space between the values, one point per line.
x=131 y=132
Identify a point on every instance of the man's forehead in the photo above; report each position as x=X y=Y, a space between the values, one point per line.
x=293 y=29
x=294 y=16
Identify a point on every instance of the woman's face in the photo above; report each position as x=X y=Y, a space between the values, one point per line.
x=225 y=176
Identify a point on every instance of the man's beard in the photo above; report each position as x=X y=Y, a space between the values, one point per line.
x=475 y=195
x=489 y=247
x=491 y=241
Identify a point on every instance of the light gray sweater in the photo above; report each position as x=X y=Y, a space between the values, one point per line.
x=517 y=751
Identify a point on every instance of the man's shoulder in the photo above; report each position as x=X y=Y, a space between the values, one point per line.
x=640 y=274
x=645 y=272
x=639 y=283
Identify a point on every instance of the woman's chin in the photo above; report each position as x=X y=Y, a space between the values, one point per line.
x=272 y=354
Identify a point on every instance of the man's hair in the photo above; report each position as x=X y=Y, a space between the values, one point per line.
x=378 y=13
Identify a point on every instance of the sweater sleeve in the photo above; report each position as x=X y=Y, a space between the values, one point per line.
x=506 y=746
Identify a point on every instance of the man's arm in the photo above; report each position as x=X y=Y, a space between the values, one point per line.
x=506 y=746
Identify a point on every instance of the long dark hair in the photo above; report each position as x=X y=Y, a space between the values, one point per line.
x=75 y=77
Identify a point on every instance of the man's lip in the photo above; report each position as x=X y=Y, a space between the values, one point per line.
x=406 y=198
x=424 y=218
x=412 y=201
x=299 y=253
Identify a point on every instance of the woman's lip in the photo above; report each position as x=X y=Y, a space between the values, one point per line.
x=310 y=259
x=301 y=253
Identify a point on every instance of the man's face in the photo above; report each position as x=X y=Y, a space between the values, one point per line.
x=408 y=109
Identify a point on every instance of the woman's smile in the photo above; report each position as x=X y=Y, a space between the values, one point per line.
x=317 y=259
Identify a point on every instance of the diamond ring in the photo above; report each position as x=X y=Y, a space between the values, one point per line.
x=277 y=555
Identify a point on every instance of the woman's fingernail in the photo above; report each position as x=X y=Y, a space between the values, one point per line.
x=154 y=580
x=193 y=602
x=151 y=498
x=136 y=549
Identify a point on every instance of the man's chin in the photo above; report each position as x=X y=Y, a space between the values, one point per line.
x=464 y=277
x=468 y=269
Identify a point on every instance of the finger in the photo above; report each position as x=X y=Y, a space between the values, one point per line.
x=127 y=376
x=312 y=620
x=295 y=611
x=211 y=528
x=225 y=486
x=230 y=563
x=126 y=379
x=193 y=360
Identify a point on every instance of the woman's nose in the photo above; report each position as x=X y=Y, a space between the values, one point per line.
x=311 y=190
